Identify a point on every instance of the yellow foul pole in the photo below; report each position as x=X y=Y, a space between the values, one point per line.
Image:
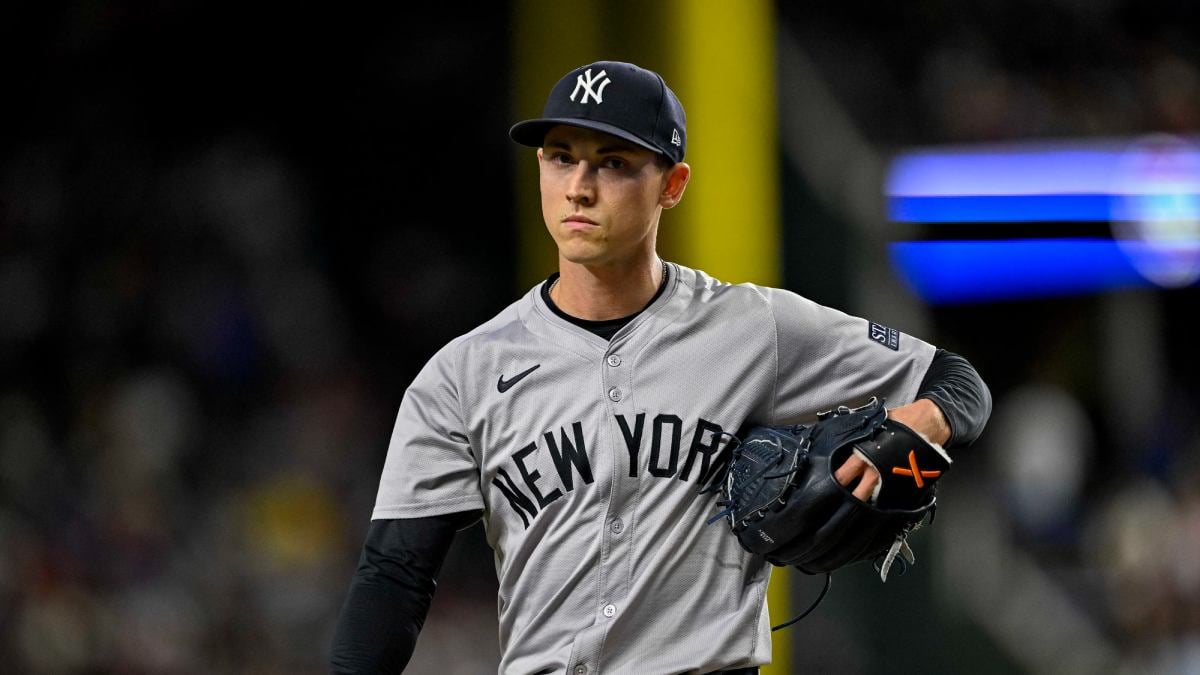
x=721 y=62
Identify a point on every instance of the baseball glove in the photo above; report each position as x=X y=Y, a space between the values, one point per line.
x=783 y=502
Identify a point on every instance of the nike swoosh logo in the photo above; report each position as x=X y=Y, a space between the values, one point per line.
x=503 y=385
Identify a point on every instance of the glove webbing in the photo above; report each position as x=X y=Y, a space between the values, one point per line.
x=720 y=477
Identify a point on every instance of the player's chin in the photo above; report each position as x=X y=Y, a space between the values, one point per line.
x=582 y=257
x=578 y=250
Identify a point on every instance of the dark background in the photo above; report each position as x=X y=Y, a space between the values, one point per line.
x=229 y=237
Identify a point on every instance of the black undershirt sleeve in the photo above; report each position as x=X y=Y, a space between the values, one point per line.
x=954 y=385
x=391 y=592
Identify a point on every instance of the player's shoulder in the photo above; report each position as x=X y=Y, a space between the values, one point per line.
x=507 y=326
x=505 y=321
x=709 y=289
x=777 y=310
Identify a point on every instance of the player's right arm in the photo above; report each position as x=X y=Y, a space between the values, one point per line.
x=391 y=592
x=429 y=488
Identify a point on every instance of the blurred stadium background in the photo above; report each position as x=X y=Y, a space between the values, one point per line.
x=230 y=234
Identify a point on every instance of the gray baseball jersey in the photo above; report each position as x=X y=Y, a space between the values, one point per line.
x=586 y=456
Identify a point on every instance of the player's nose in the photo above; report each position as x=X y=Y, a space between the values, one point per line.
x=581 y=185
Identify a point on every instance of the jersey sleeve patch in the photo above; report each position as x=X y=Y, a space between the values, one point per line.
x=888 y=337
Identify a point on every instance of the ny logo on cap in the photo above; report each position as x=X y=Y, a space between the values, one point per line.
x=596 y=94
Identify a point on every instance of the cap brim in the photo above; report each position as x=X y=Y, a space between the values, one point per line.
x=533 y=132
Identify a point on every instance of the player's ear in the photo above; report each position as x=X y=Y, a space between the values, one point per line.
x=675 y=181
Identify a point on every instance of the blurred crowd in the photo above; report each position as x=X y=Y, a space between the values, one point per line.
x=183 y=427
x=226 y=247
x=218 y=272
x=937 y=71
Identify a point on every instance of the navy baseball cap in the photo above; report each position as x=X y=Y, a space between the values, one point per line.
x=617 y=98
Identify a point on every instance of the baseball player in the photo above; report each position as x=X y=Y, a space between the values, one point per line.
x=580 y=421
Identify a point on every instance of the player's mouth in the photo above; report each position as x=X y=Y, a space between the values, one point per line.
x=578 y=222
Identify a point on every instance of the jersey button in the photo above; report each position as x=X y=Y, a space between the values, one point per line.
x=610 y=611
x=614 y=394
x=616 y=526
x=614 y=360
x=580 y=669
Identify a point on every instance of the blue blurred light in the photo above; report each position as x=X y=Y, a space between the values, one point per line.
x=950 y=272
x=1000 y=208
x=1147 y=189
x=1028 y=182
x=1013 y=169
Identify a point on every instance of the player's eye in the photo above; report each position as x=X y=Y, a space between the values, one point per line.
x=560 y=158
x=615 y=163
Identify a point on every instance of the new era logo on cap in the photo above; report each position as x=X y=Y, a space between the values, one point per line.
x=616 y=98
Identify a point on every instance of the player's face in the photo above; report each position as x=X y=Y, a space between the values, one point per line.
x=602 y=196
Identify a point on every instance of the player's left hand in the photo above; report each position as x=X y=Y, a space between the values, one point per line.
x=855 y=468
x=922 y=416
